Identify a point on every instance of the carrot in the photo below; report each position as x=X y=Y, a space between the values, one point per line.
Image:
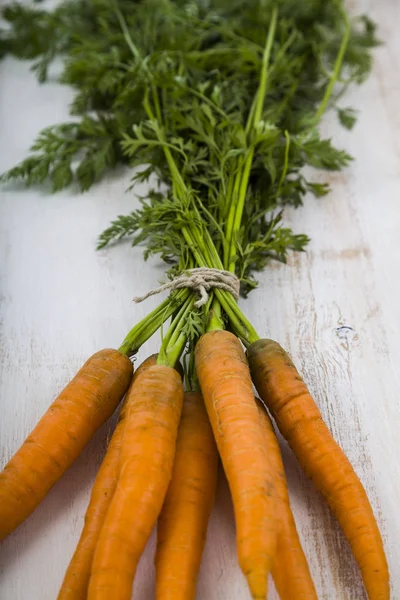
x=182 y=525
x=300 y=422
x=290 y=568
x=226 y=385
x=146 y=460
x=61 y=434
x=76 y=580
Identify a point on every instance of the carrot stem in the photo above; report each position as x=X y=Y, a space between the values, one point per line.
x=338 y=63
x=240 y=325
x=242 y=177
x=175 y=339
x=215 y=321
x=152 y=322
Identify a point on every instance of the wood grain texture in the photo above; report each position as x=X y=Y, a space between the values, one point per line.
x=335 y=308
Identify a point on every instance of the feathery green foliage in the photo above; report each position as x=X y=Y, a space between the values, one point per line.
x=221 y=100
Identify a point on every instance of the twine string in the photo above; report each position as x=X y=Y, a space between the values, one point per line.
x=201 y=280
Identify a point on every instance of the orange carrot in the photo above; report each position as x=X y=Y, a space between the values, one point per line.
x=226 y=385
x=76 y=580
x=300 y=422
x=290 y=568
x=61 y=434
x=182 y=525
x=146 y=461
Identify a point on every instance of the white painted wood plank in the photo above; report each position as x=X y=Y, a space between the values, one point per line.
x=335 y=308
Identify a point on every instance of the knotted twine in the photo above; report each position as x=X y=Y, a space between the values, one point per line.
x=200 y=280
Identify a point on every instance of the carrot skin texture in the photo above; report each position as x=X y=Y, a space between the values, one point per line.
x=81 y=408
x=290 y=570
x=182 y=525
x=146 y=462
x=76 y=580
x=227 y=389
x=300 y=422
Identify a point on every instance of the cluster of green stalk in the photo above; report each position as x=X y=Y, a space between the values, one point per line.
x=221 y=310
x=219 y=100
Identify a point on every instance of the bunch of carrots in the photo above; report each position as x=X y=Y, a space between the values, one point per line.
x=161 y=468
x=220 y=101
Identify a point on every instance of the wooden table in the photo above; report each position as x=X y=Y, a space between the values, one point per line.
x=336 y=309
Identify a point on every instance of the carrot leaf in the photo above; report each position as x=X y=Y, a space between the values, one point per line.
x=218 y=101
